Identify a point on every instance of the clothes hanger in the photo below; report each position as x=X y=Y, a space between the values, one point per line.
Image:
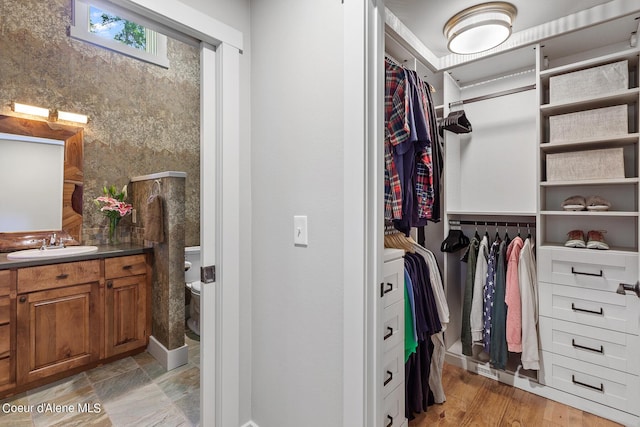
x=456 y=122
x=477 y=235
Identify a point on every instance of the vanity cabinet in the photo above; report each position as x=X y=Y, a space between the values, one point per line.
x=126 y=314
x=7 y=335
x=58 y=318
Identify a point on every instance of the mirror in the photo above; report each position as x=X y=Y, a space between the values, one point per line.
x=48 y=178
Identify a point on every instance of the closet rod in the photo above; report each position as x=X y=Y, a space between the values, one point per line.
x=494 y=223
x=493 y=95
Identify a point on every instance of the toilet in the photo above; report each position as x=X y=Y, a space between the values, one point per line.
x=192 y=282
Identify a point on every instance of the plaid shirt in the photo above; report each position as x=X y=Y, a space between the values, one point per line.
x=396 y=109
x=424 y=168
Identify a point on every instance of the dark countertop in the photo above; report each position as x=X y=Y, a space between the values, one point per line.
x=106 y=251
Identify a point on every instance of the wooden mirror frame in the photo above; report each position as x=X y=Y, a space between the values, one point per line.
x=73 y=181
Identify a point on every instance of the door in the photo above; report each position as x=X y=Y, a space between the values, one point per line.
x=220 y=234
x=125 y=319
x=220 y=49
x=57 y=330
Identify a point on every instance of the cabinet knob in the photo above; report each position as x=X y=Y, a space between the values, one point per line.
x=624 y=287
x=109 y=284
x=23 y=299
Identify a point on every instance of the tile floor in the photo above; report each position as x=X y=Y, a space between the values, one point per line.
x=135 y=391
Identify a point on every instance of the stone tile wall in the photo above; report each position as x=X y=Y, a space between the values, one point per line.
x=143 y=118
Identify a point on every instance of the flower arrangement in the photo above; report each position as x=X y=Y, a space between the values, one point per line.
x=113 y=206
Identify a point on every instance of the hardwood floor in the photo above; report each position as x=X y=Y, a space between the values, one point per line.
x=473 y=400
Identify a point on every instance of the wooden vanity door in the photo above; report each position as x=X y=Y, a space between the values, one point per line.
x=125 y=314
x=56 y=331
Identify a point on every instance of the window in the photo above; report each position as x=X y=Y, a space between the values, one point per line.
x=98 y=23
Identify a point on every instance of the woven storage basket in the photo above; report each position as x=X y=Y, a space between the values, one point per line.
x=591 y=82
x=580 y=165
x=600 y=122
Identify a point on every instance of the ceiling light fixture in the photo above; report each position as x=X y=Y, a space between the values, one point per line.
x=29 y=109
x=480 y=27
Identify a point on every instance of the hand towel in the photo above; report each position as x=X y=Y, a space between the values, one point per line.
x=154 y=220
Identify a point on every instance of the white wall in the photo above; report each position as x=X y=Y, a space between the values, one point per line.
x=297 y=169
x=237 y=14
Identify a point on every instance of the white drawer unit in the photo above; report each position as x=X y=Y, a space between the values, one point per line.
x=390 y=368
x=602 y=385
x=392 y=414
x=591 y=269
x=611 y=349
x=393 y=326
x=392 y=287
x=608 y=310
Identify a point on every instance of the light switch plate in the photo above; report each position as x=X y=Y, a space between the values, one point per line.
x=300 y=232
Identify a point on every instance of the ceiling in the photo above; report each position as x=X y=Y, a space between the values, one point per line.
x=564 y=27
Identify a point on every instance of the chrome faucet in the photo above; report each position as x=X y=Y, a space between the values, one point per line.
x=53 y=243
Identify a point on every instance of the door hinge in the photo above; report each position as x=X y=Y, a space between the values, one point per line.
x=208 y=274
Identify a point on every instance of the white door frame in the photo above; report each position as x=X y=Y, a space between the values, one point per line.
x=220 y=47
x=363 y=208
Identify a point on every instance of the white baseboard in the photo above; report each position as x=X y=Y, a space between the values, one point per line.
x=250 y=424
x=169 y=359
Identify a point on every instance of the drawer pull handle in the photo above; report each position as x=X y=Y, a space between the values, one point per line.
x=127 y=267
x=390 y=329
x=23 y=299
x=383 y=291
x=109 y=284
x=390 y=418
x=573 y=271
x=584 y=310
x=623 y=288
x=388 y=380
x=600 y=389
x=573 y=343
x=62 y=276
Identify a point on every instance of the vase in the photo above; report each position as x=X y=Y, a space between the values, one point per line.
x=113 y=231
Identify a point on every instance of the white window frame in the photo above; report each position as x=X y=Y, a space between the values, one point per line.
x=156 y=43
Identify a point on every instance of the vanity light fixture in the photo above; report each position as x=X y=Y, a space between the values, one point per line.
x=72 y=117
x=480 y=27
x=16 y=107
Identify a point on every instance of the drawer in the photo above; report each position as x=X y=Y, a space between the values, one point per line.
x=5 y=340
x=392 y=369
x=57 y=275
x=5 y=370
x=599 y=384
x=591 y=269
x=5 y=282
x=601 y=309
x=612 y=349
x=132 y=265
x=5 y=310
x=392 y=287
x=393 y=408
x=393 y=326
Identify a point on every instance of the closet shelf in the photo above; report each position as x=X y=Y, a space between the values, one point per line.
x=592 y=214
x=599 y=142
x=628 y=54
x=613 y=250
x=616 y=181
x=491 y=213
x=623 y=97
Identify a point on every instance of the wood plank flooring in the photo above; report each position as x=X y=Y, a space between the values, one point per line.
x=473 y=400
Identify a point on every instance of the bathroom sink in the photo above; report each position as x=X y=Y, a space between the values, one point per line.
x=49 y=253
